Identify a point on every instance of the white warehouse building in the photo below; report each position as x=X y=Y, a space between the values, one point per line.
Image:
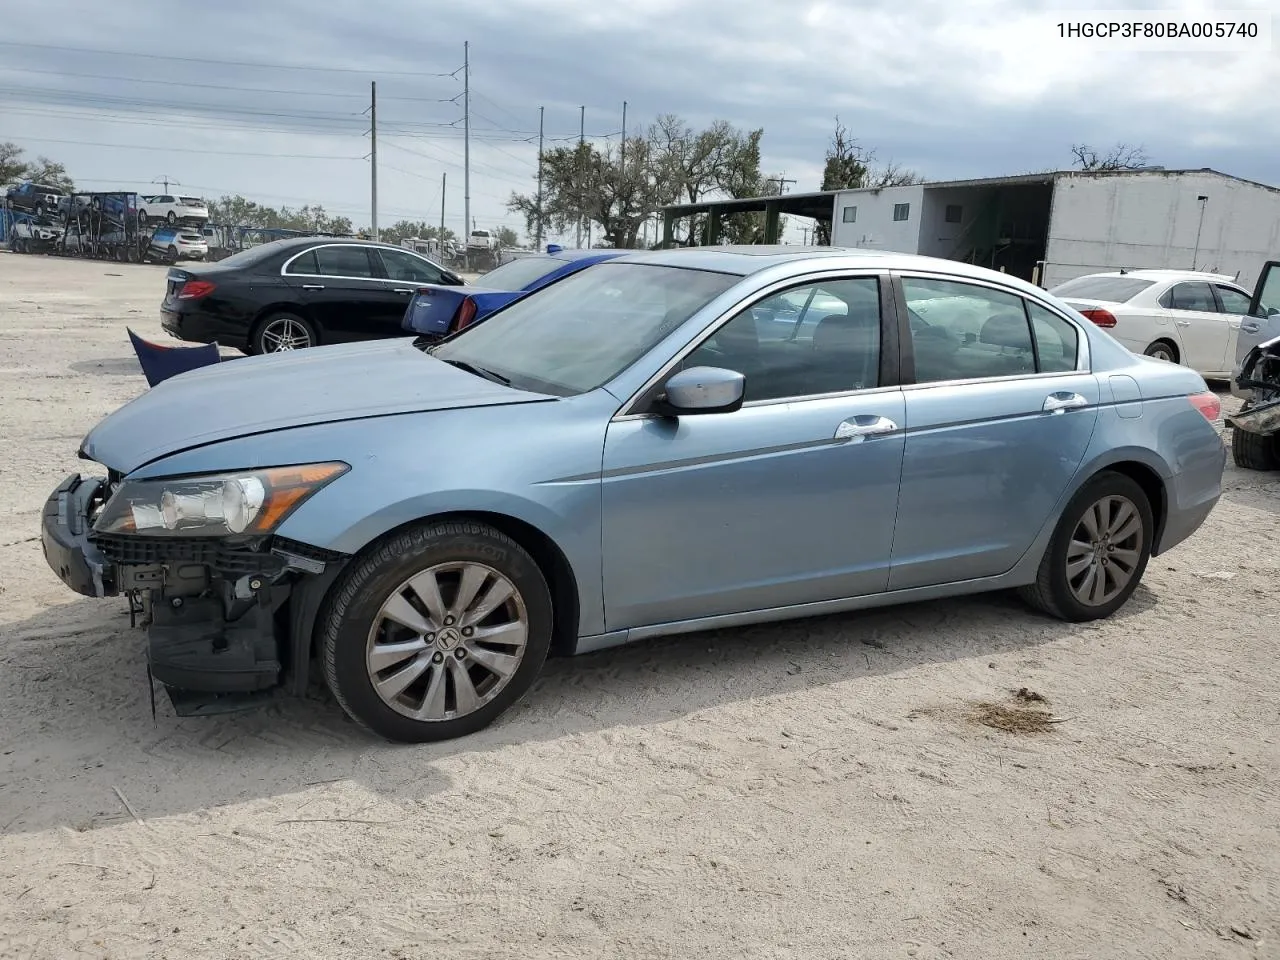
x=1051 y=227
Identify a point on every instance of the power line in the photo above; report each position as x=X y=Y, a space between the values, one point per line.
x=220 y=153
x=224 y=63
x=224 y=86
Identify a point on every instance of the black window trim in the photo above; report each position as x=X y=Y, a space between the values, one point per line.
x=639 y=404
x=375 y=263
x=907 y=351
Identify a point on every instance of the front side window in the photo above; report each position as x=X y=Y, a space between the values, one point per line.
x=901 y=211
x=1193 y=295
x=1269 y=291
x=408 y=268
x=809 y=340
x=344 y=261
x=961 y=331
x=579 y=333
x=1233 y=301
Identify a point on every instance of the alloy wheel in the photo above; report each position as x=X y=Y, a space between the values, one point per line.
x=1105 y=550
x=447 y=641
x=285 y=333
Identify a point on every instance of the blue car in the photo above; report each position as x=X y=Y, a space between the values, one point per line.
x=632 y=451
x=436 y=311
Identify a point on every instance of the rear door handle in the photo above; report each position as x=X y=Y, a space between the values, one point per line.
x=859 y=428
x=1183 y=323
x=1250 y=326
x=401 y=290
x=313 y=286
x=1062 y=401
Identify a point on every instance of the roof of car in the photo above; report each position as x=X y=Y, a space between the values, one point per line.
x=1156 y=275
x=748 y=259
x=289 y=243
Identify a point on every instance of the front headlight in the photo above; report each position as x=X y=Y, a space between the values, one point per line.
x=248 y=502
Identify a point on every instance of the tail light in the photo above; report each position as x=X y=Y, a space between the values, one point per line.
x=194 y=289
x=1208 y=404
x=466 y=314
x=1100 y=317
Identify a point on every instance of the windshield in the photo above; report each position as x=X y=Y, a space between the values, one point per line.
x=580 y=332
x=1111 y=289
x=518 y=274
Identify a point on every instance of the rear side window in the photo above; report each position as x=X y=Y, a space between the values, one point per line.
x=1057 y=340
x=1195 y=295
x=961 y=331
x=305 y=264
x=1110 y=289
x=344 y=261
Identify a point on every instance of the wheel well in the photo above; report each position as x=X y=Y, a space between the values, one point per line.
x=1153 y=486
x=1173 y=347
x=545 y=553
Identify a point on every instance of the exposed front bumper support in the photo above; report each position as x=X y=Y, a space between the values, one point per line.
x=65 y=539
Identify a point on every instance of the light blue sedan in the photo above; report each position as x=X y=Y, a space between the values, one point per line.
x=642 y=448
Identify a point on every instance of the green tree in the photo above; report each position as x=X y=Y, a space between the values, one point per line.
x=508 y=237
x=41 y=170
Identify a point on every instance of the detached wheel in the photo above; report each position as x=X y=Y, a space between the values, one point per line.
x=434 y=633
x=171 y=218
x=283 y=331
x=1098 y=553
x=1163 y=350
x=1253 y=451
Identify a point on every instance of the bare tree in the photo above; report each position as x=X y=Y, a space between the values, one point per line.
x=1122 y=156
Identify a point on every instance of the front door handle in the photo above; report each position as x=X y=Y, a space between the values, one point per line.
x=1062 y=401
x=1250 y=326
x=859 y=428
x=401 y=290
x=313 y=286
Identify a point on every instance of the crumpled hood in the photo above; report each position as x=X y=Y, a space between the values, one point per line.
x=259 y=394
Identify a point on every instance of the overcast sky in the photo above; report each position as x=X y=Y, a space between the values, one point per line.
x=951 y=89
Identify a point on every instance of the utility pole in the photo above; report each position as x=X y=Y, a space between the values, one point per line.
x=373 y=157
x=1202 y=200
x=444 y=179
x=164 y=178
x=537 y=243
x=582 y=127
x=466 y=133
x=781 y=182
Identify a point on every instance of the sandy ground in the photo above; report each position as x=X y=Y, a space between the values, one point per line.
x=823 y=789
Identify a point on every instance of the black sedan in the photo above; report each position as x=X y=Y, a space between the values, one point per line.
x=298 y=292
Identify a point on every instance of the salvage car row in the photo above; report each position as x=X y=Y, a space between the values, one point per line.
x=658 y=443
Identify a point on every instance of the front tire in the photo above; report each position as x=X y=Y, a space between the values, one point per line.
x=171 y=218
x=1098 y=552
x=434 y=632
x=1253 y=451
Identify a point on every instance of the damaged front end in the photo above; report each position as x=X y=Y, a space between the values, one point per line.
x=228 y=606
x=1260 y=375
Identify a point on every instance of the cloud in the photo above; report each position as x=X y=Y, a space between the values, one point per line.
x=953 y=90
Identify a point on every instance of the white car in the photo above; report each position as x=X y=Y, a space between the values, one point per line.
x=171 y=244
x=171 y=208
x=1176 y=315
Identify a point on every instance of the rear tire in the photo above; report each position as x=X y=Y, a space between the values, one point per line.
x=279 y=332
x=1253 y=451
x=442 y=640
x=1074 y=551
x=1163 y=350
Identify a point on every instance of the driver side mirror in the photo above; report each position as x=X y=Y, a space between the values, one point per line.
x=701 y=390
